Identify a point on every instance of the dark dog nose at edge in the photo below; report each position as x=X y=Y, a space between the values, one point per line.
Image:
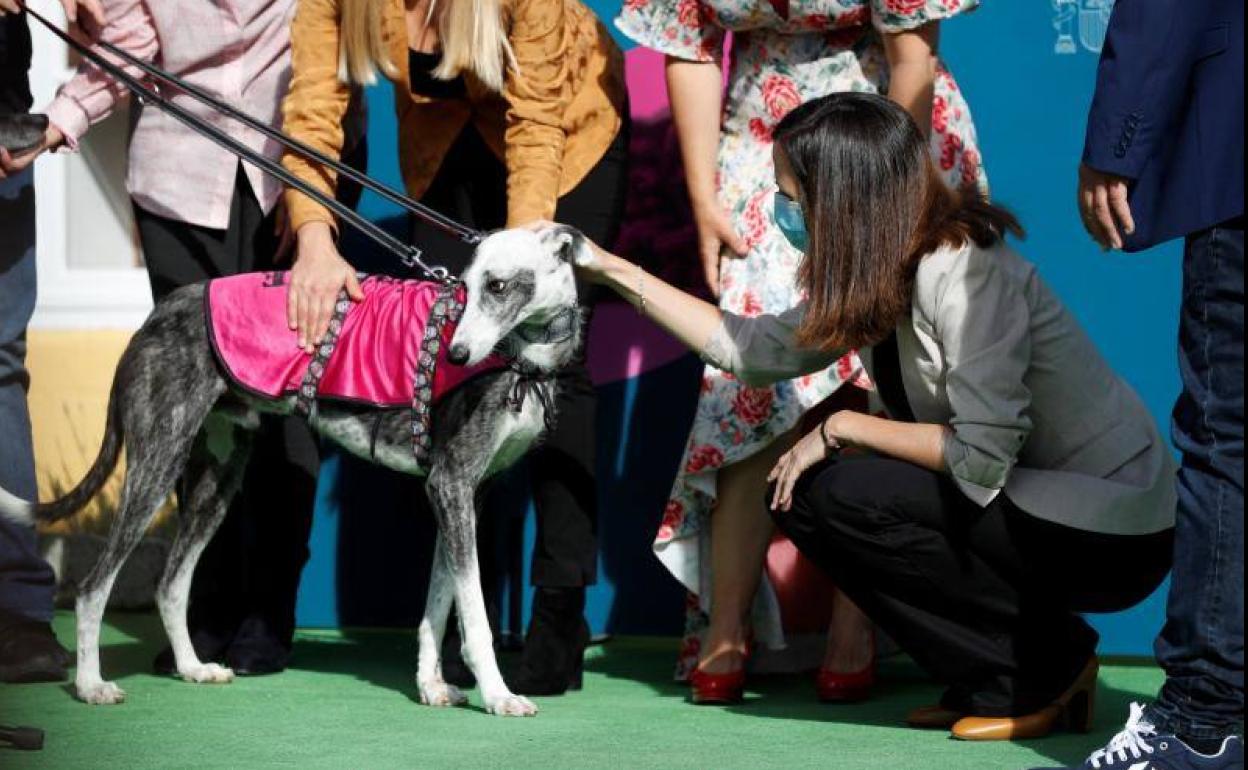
x=458 y=354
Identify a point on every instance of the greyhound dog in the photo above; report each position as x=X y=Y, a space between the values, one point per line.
x=170 y=392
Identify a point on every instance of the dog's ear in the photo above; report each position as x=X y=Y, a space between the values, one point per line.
x=571 y=245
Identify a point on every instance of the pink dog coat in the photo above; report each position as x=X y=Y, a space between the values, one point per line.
x=388 y=350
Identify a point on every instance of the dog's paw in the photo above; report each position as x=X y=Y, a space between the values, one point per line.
x=101 y=694
x=511 y=706
x=441 y=695
x=208 y=673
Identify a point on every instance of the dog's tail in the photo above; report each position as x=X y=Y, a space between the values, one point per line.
x=28 y=512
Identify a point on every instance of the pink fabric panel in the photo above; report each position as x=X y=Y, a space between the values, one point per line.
x=374 y=360
x=247 y=317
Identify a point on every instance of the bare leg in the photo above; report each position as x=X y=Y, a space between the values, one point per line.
x=434 y=691
x=741 y=532
x=851 y=640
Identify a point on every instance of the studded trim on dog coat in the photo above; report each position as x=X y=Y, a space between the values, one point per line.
x=387 y=351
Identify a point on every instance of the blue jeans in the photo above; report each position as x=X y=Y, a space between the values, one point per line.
x=1202 y=645
x=26 y=581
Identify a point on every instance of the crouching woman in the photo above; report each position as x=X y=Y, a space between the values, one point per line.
x=1018 y=481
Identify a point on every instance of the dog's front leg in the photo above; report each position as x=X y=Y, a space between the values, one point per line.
x=434 y=690
x=451 y=496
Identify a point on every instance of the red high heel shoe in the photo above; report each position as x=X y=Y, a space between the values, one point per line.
x=720 y=689
x=837 y=687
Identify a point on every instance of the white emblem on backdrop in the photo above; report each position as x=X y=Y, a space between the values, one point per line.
x=1080 y=22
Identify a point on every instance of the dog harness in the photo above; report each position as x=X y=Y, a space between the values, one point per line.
x=386 y=351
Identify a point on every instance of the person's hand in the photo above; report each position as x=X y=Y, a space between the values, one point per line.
x=1104 y=208
x=318 y=276
x=716 y=237
x=591 y=263
x=86 y=17
x=12 y=165
x=812 y=448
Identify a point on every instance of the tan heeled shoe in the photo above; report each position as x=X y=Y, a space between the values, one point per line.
x=1074 y=708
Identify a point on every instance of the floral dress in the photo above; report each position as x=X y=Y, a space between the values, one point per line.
x=777 y=62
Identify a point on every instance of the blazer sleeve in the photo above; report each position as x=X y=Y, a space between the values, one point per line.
x=1141 y=82
x=983 y=323
x=537 y=98
x=314 y=106
x=763 y=350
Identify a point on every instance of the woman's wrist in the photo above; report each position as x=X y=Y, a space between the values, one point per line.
x=840 y=428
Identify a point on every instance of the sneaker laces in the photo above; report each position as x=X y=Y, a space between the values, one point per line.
x=1133 y=738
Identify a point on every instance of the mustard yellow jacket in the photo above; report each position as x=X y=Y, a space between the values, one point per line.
x=553 y=122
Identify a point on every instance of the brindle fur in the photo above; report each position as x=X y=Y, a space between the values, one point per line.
x=177 y=414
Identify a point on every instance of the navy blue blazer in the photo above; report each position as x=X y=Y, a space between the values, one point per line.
x=1168 y=114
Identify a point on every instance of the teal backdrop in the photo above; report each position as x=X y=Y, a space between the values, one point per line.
x=1028 y=68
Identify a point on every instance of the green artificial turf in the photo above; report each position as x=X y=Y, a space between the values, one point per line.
x=349 y=703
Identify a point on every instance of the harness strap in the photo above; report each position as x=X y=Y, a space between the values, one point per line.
x=446 y=308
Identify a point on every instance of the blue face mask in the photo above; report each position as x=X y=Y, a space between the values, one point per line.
x=791 y=223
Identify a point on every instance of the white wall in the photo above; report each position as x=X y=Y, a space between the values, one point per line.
x=90 y=267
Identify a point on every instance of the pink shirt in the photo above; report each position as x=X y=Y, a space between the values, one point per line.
x=236 y=50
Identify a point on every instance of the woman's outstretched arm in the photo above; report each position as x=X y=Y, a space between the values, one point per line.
x=758 y=351
x=689 y=319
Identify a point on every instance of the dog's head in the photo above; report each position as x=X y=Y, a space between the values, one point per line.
x=522 y=296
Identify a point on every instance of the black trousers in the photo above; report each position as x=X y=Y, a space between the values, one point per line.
x=986 y=600
x=250 y=571
x=471 y=186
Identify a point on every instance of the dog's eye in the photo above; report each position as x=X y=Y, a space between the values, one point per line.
x=496 y=287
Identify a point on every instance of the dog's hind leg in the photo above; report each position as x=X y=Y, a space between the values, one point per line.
x=434 y=690
x=213 y=475
x=451 y=495
x=166 y=384
x=149 y=480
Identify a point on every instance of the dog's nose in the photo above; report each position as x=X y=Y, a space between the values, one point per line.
x=458 y=354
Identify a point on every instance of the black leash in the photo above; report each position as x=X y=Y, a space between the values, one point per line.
x=409 y=255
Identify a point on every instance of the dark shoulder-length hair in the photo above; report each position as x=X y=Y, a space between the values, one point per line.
x=874 y=206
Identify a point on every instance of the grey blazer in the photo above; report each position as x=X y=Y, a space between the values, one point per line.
x=1034 y=409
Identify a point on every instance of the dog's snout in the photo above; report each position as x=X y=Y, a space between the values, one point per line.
x=458 y=354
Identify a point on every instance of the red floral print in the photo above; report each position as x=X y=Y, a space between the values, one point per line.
x=780 y=95
x=673 y=514
x=753 y=405
x=760 y=130
x=689 y=12
x=750 y=305
x=754 y=221
x=904 y=7
x=940 y=115
x=703 y=457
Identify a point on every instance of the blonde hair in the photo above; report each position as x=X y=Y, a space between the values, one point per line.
x=471 y=34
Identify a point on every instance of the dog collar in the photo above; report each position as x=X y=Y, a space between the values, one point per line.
x=561 y=328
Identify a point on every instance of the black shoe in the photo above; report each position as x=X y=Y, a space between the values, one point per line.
x=259 y=649
x=29 y=652
x=210 y=646
x=554 y=649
